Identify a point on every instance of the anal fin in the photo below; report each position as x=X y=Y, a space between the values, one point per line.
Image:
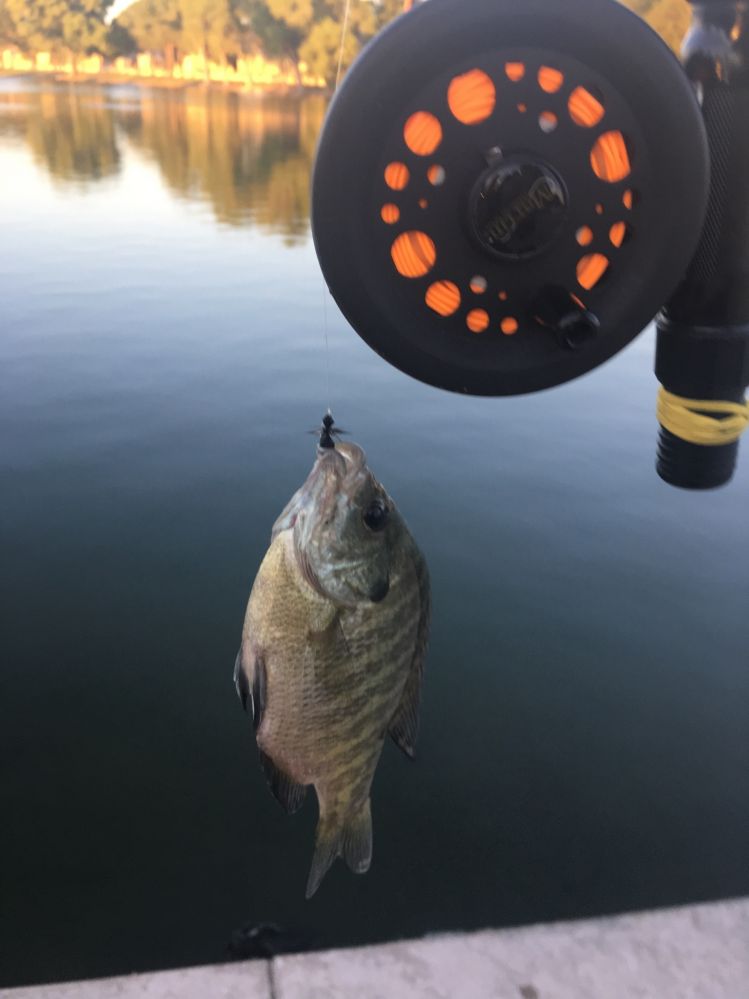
x=287 y=792
x=327 y=849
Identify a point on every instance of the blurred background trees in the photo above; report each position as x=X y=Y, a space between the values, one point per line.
x=306 y=30
x=222 y=30
x=75 y=26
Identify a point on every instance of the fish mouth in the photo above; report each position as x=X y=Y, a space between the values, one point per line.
x=379 y=591
x=354 y=458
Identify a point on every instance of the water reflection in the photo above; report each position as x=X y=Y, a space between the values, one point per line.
x=249 y=158
x=74 y=140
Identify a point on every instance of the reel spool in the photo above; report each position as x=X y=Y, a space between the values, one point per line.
x=505 y=194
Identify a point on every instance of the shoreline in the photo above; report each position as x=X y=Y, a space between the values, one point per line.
x=248 y=73
x=168 y=83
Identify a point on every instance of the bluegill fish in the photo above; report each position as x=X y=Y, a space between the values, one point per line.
x=333 y=649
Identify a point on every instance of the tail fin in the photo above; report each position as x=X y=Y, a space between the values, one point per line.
x=357 y=839
x=351 y=838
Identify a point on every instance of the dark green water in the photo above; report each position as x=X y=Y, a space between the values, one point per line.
x=585 y=742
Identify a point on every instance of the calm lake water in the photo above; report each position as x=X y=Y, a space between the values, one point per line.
x=584 y=747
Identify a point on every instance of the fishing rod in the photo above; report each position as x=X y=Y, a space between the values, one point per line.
x=506 y=194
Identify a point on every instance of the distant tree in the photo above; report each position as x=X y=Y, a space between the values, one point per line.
x=366 y=18
x=209 y=26
x=155 y=26
x=640 y=7
x=74 y=25
x=281 y=25
x=220 y=29
x=83 y=26
x=8 y=31
x=119 y=41
x=310 y=30
x=386 y=10
x=670 y=18
x=36 y=25
x=270 y=33
x=321 y=48
x=294 y=13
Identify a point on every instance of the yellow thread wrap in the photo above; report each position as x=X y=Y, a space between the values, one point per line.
x=692 y=419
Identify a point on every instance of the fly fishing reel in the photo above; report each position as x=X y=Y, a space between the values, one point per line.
x=505 y=194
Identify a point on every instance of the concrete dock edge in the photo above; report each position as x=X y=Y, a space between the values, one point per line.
x=692 y=952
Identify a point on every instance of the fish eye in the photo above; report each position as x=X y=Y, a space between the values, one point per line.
x=376 y=516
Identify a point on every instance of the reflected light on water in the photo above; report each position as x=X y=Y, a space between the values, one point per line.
x=247 y=158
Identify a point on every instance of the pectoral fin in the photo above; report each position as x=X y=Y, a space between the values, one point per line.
x=250 y=680
x=240 y=681
x=258 y=692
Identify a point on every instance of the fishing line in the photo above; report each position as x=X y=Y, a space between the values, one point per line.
x=344 y=29
x=346 y=12
x=327 y=347
x=702 y=421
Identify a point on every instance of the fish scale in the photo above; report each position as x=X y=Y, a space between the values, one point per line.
x=333 y=649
